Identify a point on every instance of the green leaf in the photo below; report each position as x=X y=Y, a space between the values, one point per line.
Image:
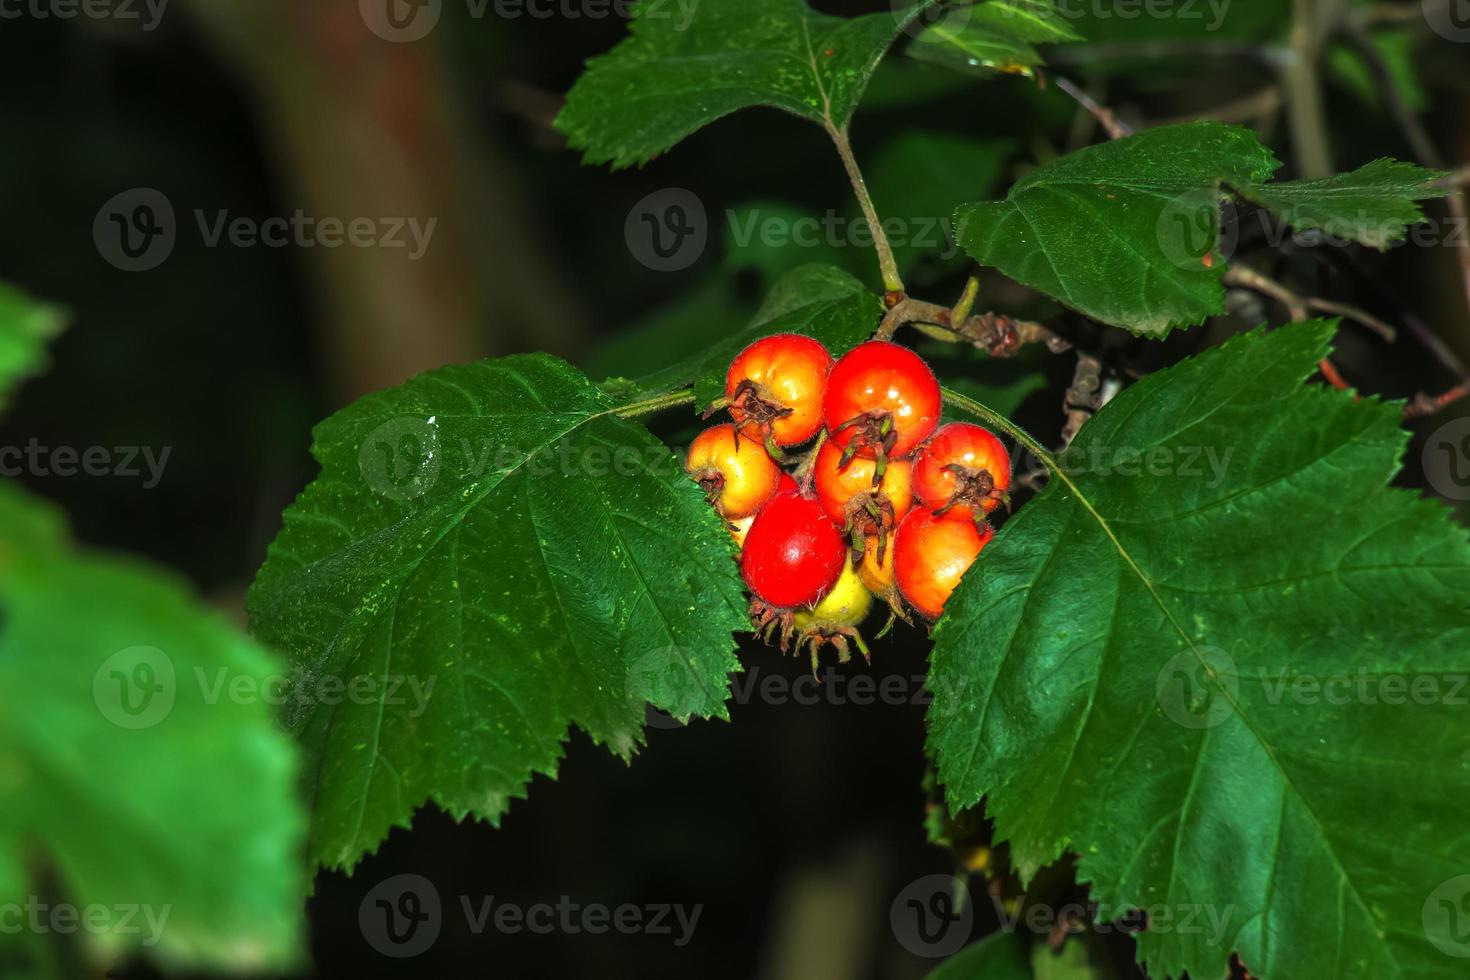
x=996 y=957
x=1081 y=957
x=1372 y=205
x=996 y=36
x=25 y=329
x=163 y=803
x=521 y=557
x=679 y=71
x=1128 y=671
x=816 y=300
x=1126 y=231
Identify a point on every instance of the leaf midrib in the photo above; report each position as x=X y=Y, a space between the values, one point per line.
x=1265 y=744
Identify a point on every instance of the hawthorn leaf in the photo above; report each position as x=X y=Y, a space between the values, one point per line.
x=1081 y=957
x=1126 y=232
x=1373 y=205
x=819 y=301
x=996 y=957
x=678 y=71
x=1189 y=661
x=26 y=327
x=503 y=555
x=163 y=804
x=998 y=36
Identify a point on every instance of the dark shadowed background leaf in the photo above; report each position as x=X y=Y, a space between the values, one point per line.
x=126 y=767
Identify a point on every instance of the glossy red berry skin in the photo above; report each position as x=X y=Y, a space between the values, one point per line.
x=964 y=467
x=793 y=553
x=878 y=380
x=776 y=384
x=931 y=555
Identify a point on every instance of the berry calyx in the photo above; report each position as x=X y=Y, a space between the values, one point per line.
x=835 y=620
x=775 y=387
x=793 y=553
x=882 y=401
x=930 y=556
x=737 y=473
x=963 y=472
x=857 y=502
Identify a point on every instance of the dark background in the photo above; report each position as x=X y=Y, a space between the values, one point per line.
x=797 y=825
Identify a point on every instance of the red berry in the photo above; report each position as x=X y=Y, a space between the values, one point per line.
x=737 y=473
x=963 y=472
x=882 y=401
x=931 y=555
x=793 y=553
x=775 y=388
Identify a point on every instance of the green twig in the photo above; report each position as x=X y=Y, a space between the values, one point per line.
x=655 y=404
x=886 y=263
x=987 y=414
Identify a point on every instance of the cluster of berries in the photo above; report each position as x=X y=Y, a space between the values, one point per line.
x=885 y=484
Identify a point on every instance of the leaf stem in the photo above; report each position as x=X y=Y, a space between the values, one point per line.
x=655 y=404
x=892 y=282
x=987 y=414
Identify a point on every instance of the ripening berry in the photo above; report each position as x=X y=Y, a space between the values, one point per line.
x=931 y=555
x=882 y=401
x=846 y=605
x=737 y=473
x=793 y=554
x=963 y=472
x=877 y=574
x=775 y=388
